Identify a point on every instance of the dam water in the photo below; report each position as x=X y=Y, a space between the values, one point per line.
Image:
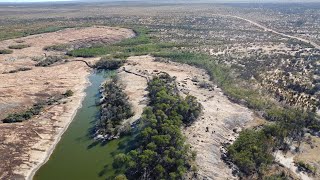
x=77 y=156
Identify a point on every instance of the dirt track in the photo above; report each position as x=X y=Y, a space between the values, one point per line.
x=220 y=115
x=23 y=146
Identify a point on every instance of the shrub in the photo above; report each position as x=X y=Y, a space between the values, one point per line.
x=59 y=47
x=19 y=46
x=19 y=117
x=20 y=41
x=120 y=177
x=20 y=69
x=37 y=58
x=205 y=85
x=49 y=61
x=34 y=110
x=302 y=166
x=279 y=176
x=68 y=93
x=111 y=64
x=6 y=51
x=251 y=151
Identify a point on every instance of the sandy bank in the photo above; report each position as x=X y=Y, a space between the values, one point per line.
x=26 y=146
x=75 y=104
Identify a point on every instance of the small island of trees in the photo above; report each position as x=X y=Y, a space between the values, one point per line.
x=115 y=108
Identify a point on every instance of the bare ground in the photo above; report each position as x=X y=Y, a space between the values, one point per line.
x=220 y=115
x=135 y=88
x=308 y=153
x=24 y=146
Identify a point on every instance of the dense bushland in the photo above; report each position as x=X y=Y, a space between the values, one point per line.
x=115 y=108
x=161 y=151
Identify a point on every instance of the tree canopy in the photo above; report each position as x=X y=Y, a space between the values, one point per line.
x=161 y=151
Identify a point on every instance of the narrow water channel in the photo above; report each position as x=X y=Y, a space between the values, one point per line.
x=76 y=156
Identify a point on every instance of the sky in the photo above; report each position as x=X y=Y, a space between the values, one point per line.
x=260 y=1
x=32 y=0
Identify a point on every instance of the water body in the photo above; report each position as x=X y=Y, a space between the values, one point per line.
x=77 y=156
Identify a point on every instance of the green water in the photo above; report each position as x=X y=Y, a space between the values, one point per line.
x=76 y=156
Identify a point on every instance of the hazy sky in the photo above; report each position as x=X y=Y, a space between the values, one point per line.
x=32 y=0
x=260 y=1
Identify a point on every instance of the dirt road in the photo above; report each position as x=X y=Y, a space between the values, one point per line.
x=317 y=46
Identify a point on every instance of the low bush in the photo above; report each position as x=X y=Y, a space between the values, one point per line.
x=302 y=166
x=49 y=61
x=20 y=117
x=68 y=93
x=110 y=64
x=18 y=46
x=37 y=58
x=20 y=41
x=34 y=110
x=18 y=70
x=205 y=85
x=279 y=176
x=6 y=51
x=59 y=47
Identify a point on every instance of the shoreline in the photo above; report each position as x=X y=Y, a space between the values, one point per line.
x=58 y=136
x=34 y=141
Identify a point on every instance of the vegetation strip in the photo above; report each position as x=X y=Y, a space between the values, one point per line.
x=18 y=70
x=49 y=61
x=160 y=151
x=6 y=51
x=36 y=109
x=27 y=30
x=19 y=46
